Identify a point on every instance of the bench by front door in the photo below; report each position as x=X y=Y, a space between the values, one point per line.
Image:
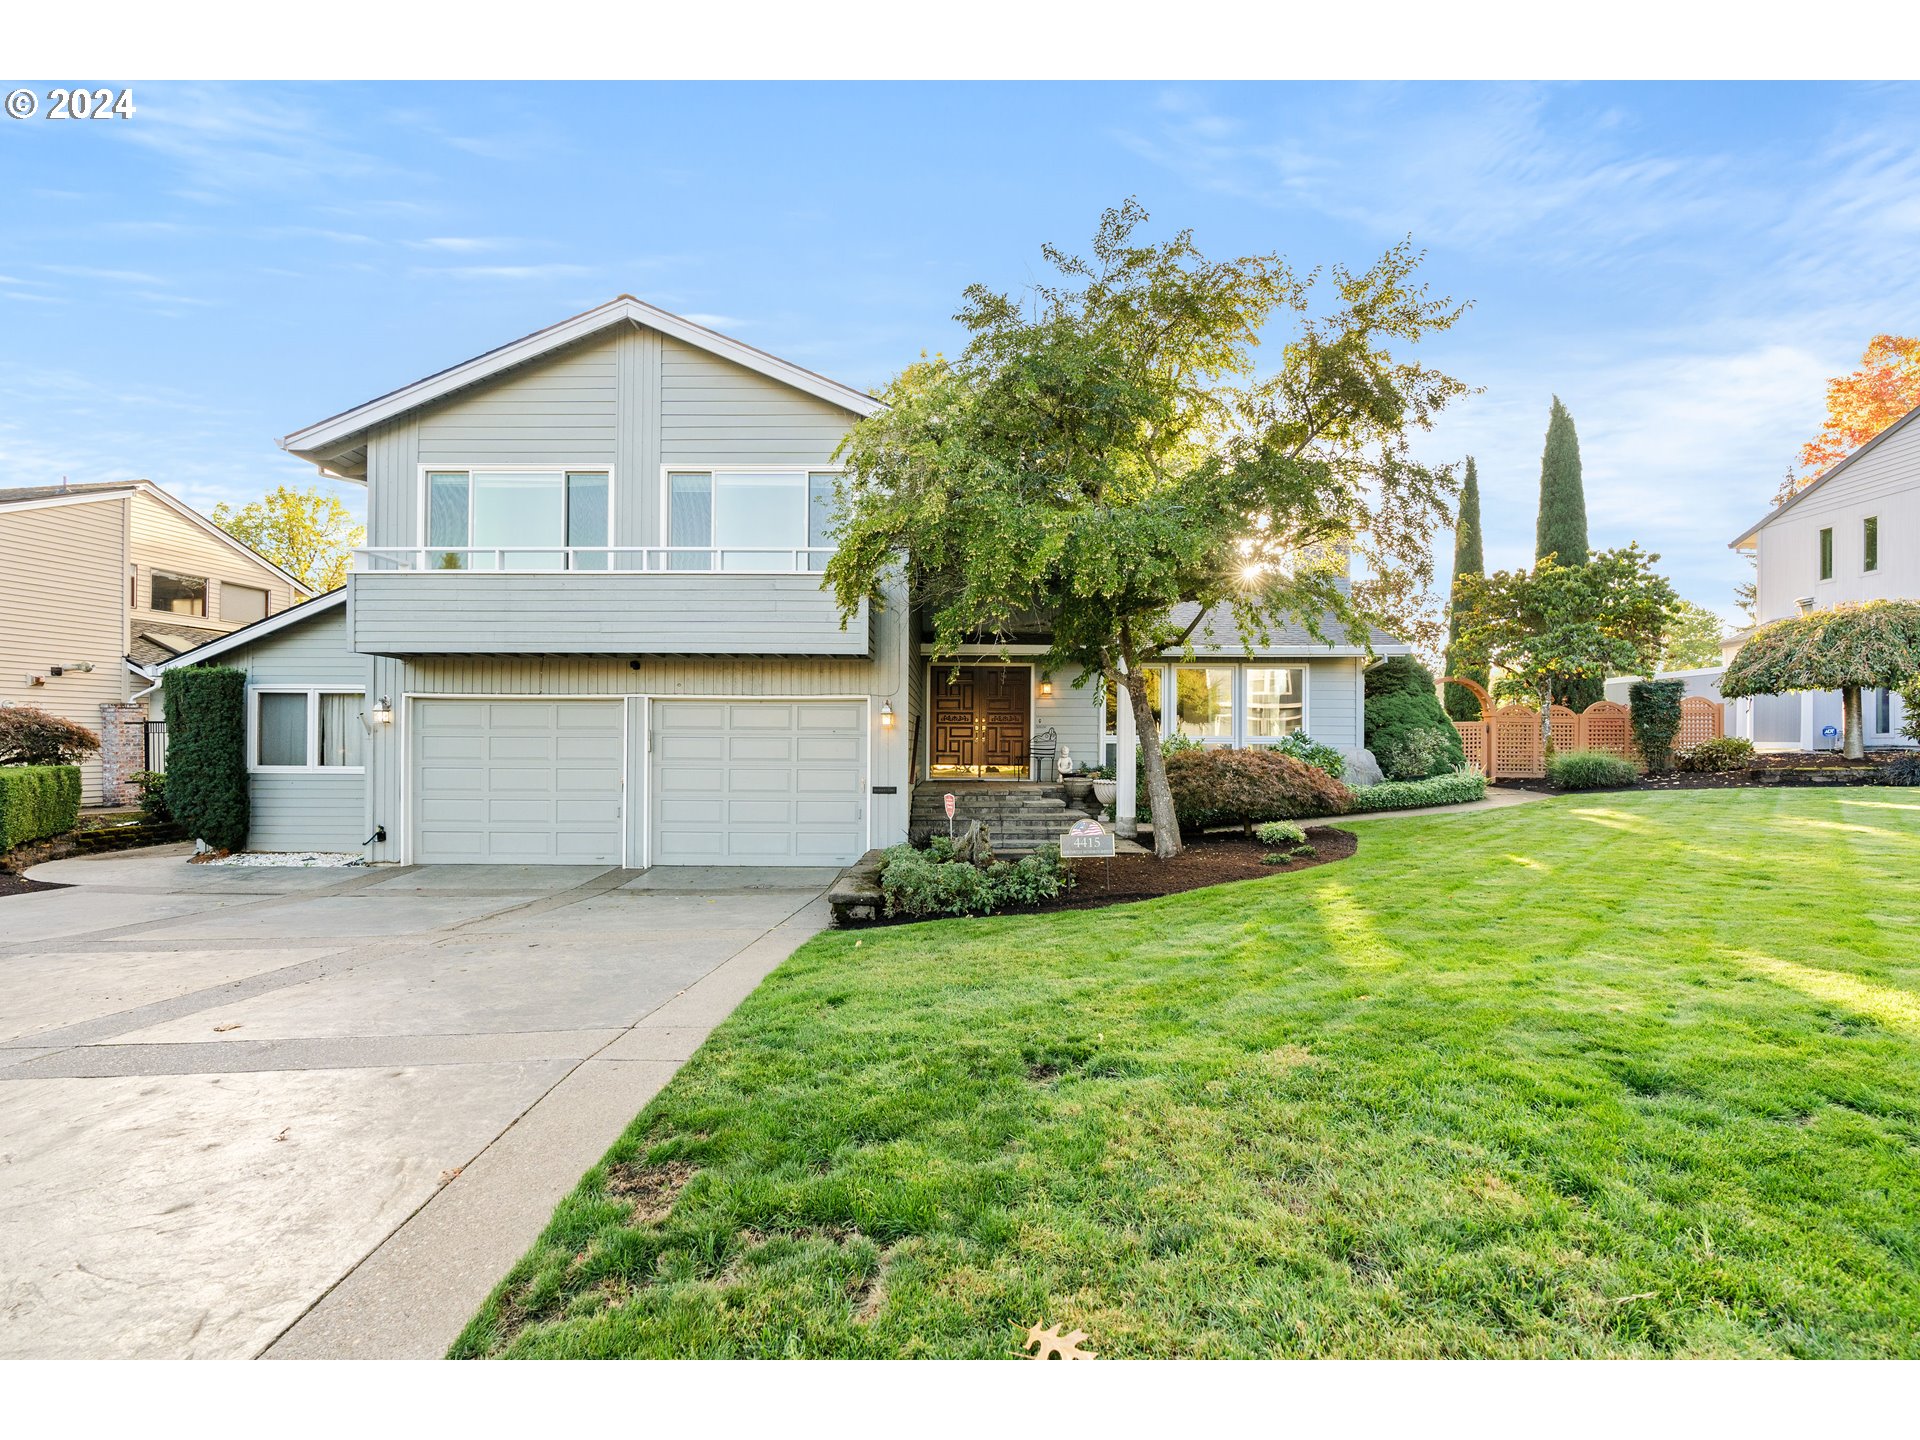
x=982 y=721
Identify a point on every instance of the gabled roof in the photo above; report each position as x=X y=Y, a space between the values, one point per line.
x=259 y=629
x=1794 y=499
x=339 y=439
x=39 y=497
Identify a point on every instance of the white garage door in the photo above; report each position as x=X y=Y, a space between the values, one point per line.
x=758 y=782
x=528 y=782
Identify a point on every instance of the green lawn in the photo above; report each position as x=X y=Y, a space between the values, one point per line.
x=1621 y=1075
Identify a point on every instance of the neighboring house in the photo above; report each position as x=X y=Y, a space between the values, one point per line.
x=588 y=627
x=104 y=582
x=1852 y=535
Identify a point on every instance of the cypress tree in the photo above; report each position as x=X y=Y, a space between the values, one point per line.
x=1467 y=560
x=1561 y=528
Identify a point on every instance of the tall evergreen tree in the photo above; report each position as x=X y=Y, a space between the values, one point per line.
x=1467 y=560
x=1561 y=528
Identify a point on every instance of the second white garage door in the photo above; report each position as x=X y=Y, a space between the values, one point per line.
x=527 y=782
x=758 y=782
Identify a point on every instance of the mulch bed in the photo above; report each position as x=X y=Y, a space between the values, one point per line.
x=1205 y=860
x=11 y=884
x=1776 y=768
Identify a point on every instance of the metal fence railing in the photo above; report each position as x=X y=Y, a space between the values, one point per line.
x=157 y=746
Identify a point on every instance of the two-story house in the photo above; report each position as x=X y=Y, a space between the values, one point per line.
x=588 y=627
x=1851 y=535
x=102 y=584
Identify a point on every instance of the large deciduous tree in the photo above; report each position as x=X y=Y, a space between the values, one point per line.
x=1105 y=450
x=1694 y=640
x=1468 y=559
x=1860 y=404
x=1560 y=528
x=1555 y=624
x=1848 y=648
x=309 y=535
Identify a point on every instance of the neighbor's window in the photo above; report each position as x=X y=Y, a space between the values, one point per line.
x=749 y=520
x=308 y=729
x=1203 y=701
x=1870 y=543
x=242 y=604
x=1826 y=554
x=517 y=519
x=179 y=594
x=1276 y=701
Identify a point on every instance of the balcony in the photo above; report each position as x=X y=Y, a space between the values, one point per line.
x=598 y=600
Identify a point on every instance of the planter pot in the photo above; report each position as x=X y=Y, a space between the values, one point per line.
x=1105 y=790
x=1078 y=786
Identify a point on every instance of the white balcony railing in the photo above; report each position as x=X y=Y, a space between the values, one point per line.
x=593 y=559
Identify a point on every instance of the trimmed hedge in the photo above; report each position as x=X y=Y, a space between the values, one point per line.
x=1407 y=731
x=1245 y=787
x=207 y=753
x=1590 y=770
x=1460 y=788
x=1656 y=718
x=37 y=801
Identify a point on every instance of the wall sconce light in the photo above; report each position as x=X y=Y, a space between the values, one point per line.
x=1046 y=689
x=886 y=715
x=383 y=711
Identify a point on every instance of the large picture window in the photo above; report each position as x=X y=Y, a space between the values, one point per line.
x=307 y=730
x=179 y=594
x=1276 y=701
x=1203 y=701
x=518 y=519
x=750 y=519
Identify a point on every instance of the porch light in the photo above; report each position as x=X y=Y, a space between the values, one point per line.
x=1046 y=689
x=886 y=715
x=383 y=711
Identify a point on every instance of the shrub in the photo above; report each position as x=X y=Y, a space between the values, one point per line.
x=1303 y=747
x=207 y=753
x=1407 y=731
x=1903 y=771
x=1590 y=770
x=1716 y=757
x=37 y=801
x=33 y=737
x=1909 y=694
x=1459 y=788
x=1245 y=787
x=931 y=882
x=153 y=796
x=1656 y=718
x=1277 y=833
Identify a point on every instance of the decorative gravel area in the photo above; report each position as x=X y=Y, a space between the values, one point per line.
x=284 y=859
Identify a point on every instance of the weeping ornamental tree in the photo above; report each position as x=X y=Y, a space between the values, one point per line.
x=1468 y=559
x=1848 y=648
x=1104 y=450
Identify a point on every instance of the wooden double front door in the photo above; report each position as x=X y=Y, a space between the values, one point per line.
x=982 y=720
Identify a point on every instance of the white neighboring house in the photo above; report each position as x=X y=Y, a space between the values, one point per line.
x=1852 y=535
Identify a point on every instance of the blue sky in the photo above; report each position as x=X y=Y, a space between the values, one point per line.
x=1682 y=264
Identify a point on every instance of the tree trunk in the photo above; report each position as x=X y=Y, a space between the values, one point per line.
x=1166 y=826
x=1855 y=744
x=1546 y=722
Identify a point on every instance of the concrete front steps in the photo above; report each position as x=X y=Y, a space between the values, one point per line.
x=1020 y=816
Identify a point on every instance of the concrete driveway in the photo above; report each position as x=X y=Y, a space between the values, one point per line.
x=319 y=1112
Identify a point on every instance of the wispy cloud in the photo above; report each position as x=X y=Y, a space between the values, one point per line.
x=715 y=322
x=464 y=244
x=556 y=271
x=96 y=272
x=228 y=140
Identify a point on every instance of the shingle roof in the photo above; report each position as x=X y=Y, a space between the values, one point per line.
x=1217 y=632
x=156 y=644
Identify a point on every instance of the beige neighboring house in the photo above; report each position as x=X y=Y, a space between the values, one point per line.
x=101 y=584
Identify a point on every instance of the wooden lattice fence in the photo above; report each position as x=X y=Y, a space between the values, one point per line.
x=1505 y=743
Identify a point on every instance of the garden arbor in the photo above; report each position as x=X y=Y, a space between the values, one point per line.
x=1849 y=648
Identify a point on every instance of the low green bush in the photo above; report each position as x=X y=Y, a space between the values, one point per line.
x=1303 y=747
x=153 y=795
x=1903 y=771
x=37 y=801
x=1276 y=833
x=1590 y=770
x=931 y=882
x=1717 y=757
x=1246 y=787
x=1459 y=788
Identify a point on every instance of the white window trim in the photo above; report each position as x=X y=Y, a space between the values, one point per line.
x=781 y=467
x=1240 y=739
x=313 y=694
x=542 y=467
x=1243 y=702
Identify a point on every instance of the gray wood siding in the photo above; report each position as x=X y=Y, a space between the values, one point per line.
x=717 y=413
x=63 y=593
x=564 y=410
x=1334 y=716
x=473 y=613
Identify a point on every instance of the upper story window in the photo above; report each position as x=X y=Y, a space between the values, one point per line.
x=1870 y=543
x=178 y=594
x=242 y=604
x=758 y=519
x=518 y=519
x=1826 y=553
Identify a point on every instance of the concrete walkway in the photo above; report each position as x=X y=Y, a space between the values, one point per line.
x=1498 y=798
x=320 y=1112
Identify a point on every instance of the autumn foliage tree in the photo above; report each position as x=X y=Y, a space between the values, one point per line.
x=309 y=535
x=1860 y=404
